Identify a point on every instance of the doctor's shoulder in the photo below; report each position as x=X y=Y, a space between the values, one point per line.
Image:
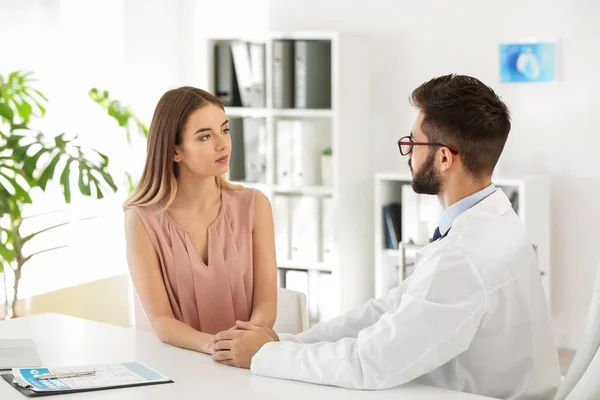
x=498 y=248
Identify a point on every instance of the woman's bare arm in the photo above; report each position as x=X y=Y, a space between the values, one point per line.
x=150 y=287
x=264 y=304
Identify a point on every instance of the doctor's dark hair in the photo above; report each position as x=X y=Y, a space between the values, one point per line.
x=466 y=115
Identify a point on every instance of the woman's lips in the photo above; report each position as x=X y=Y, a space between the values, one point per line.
x=223 y=160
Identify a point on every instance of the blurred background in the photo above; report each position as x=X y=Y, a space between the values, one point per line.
x=322 y=83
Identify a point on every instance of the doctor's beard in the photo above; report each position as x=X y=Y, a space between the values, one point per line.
x=426 y=180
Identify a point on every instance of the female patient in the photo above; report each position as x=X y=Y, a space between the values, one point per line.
x=200 y=251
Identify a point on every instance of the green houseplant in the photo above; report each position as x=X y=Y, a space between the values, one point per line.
x=327 y=167
x=30 y=161
x=124 y=116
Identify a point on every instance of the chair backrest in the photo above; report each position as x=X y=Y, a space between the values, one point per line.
x=140 y=321
x=291 y=318
x=292 y=314
x=583 y=378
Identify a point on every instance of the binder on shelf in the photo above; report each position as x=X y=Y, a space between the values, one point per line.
x=243 y=71
x=284 y=134
x=392 y=225
x=237 y=167
x=312 y=71
x=283 y=74
x=328 y=231
x=305 y=232
x=306 y=154
x=226 y=85
x=257 y=65
x=281 y=217
x=255 y=148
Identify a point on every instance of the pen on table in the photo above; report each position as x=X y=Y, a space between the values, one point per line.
x=73 y=374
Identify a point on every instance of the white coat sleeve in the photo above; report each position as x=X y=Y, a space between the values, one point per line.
x=351 y=323
x=436 y=321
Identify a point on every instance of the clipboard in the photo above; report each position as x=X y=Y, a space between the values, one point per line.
x=139 y=375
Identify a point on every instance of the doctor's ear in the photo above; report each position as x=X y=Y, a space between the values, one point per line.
x=447 y=158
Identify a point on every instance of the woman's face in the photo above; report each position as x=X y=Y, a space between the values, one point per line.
x=206 y=145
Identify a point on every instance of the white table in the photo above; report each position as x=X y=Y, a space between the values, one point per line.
x=64 y=340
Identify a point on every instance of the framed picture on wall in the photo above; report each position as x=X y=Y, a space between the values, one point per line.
x=528 y=62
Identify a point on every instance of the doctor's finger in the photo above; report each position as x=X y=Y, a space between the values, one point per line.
x=222 y=355
x=223 y=345
x=231 y=363
x=248 y=326
x=228 y=335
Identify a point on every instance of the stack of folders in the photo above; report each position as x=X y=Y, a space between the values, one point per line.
x=302 y=74
x=240 y=73
x=248 y=149
x=298 y=152
x=392 y=225
x=300 y=235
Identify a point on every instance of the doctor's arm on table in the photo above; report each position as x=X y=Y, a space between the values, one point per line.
x=344 y=326
x=351 y=323
x=430 y=327
x=149 y=285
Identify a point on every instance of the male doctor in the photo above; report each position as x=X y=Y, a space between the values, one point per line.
x=473 y=316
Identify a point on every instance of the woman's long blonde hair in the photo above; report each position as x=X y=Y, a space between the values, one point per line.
x=158 y=183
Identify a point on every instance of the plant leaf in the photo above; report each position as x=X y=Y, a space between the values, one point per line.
x=99 y=194
x=31 y=236
x=7 y=254
x=65 y=180
x=104 y=158
x=84 y=182
x=24 y=110
x=31 y=162
x=40 y=94
x=48 y=172
x=43 y=251
x=129 y=181
x=6 y=112
x=108 y=179
x=20 y=193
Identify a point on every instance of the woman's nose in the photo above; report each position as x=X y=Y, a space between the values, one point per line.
x=221 y=143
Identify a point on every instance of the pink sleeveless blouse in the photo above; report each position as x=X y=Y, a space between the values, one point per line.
x=209 y=298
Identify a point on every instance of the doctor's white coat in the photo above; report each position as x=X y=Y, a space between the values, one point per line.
x=473 y=317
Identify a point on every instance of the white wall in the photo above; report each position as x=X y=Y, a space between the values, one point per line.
x=554 y=125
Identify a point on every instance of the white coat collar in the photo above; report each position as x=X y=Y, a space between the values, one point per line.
x=495 y=204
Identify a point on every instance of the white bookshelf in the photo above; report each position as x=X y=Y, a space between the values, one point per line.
x=351 y=187
x=276 y=112
x=533 y=207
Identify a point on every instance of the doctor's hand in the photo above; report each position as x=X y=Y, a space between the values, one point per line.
x=248 y=325
x=237 y=347
x=211 y=348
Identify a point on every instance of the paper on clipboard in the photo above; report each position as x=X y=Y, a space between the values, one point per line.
x=106 y=376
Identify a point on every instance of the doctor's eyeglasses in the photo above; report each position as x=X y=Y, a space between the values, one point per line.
x=406 y=144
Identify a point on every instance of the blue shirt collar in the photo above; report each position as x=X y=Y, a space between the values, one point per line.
x=456 y=209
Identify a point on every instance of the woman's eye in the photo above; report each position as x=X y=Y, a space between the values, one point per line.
x=226 y=131
x=205 y=138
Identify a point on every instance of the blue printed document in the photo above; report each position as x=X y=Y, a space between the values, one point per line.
x=91 y=377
